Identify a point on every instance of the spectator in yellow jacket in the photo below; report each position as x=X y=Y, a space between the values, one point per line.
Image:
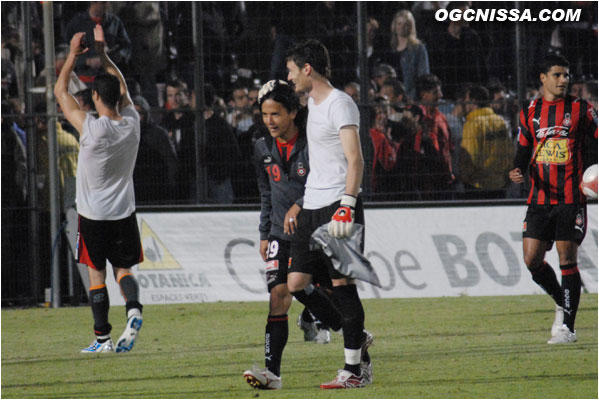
x=486 y=149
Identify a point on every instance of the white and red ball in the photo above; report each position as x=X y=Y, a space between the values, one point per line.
x=589 y=182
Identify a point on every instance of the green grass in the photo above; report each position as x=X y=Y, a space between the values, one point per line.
x=466 y=347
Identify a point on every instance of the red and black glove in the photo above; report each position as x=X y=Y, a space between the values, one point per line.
x=342 y=223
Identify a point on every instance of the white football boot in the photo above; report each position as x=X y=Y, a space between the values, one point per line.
x=563 y=335
x=96 y=347
x=262 y=378
x=129 y=336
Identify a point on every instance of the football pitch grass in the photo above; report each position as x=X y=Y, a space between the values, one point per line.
x=463 y=347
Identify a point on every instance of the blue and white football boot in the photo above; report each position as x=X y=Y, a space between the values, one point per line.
x=129 y=336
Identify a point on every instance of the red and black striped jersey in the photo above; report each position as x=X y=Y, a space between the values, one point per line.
x=551 y=137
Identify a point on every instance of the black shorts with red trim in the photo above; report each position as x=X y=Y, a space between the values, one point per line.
x=116 y=241
x=561 y=222
x=315 y=262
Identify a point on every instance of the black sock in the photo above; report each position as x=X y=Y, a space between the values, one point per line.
x=307 y=315
x=571 y=285
x=275 y=339
x=545 y=277
x=347 y=298
x=354 y=369
x=100 y=305
x=320 y=306
x=130 y=289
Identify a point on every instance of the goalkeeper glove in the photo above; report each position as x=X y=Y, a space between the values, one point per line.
x=342 y=223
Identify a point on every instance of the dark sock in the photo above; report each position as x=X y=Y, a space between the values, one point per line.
x=307 y=316
x=545 y=277
x=320 y=306
x=100 y=305
x=130 y=289
x=275 y=339
x=571 y=285
x=353 y=315
x=354 y=369
x=103 y=338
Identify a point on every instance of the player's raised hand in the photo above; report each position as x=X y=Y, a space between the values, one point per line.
x=76 y=46
x=99 y=38
x=342 y=222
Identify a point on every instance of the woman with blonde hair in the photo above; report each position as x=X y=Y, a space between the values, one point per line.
x=408 y=54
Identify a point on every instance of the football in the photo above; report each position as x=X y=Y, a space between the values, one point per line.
x=589 y=182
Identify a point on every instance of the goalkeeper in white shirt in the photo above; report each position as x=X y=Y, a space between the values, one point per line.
x=331 y=196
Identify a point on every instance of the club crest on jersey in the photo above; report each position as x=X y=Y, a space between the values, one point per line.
x=301 y=171
x=567 y=120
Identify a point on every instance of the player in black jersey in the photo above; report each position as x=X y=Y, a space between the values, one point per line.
x=281 y=160
x=555 y=136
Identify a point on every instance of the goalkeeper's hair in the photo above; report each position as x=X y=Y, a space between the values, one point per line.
x=550 y=61
x=311 y=52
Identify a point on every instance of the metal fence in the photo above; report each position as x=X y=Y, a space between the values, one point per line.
x=198 y=66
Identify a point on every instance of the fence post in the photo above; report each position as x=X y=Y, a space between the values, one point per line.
x=364 y=104
x=53 y=182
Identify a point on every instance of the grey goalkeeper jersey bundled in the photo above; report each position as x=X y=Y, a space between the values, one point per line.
x=281 y=184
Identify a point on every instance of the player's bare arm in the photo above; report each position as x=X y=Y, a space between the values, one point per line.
x=110 y=66
x=350 y=141
x=67 y=101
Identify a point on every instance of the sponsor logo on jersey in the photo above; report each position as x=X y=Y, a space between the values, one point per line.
x=553 y=151
x=267 y=160
x=301 y=171
x=552 y=131
x=272 y=265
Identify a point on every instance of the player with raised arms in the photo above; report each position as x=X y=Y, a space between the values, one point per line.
x=557 y=139
x=105 y=197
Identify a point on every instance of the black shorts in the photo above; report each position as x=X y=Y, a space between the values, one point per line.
x=116 y=241
x=277 y=265
x=315 y=262
x=563 y=222
x=277 y=262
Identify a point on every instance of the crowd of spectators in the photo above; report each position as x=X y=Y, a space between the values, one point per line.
x=443 y=114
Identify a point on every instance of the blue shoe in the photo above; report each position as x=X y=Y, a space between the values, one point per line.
x=95 y=347
x=127 y=339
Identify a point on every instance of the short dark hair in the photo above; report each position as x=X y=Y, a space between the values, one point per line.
x=398 y=88
x=86 y=96
x=177 y=83
x=425 y=83
x=311 y=52
x=552 y=60
x=480 y=96
x=283 y=94
x=462 y=91
x=108 y=88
